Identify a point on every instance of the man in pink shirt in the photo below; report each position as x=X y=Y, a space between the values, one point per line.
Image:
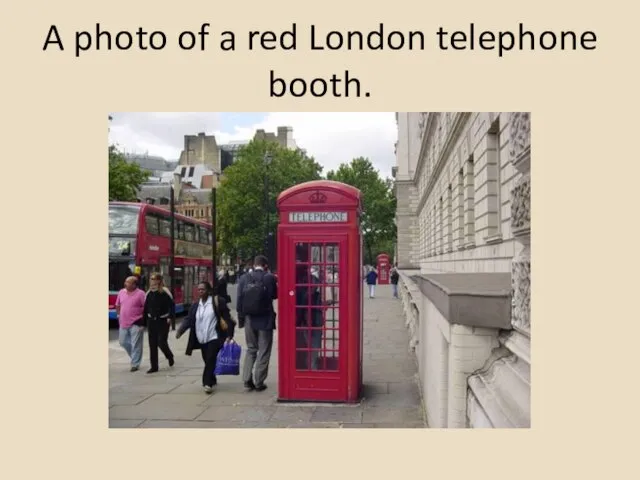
x=130 y=308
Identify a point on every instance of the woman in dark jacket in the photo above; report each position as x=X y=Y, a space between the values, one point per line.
x=159 y=309
x=222 y=287
x=210 y=325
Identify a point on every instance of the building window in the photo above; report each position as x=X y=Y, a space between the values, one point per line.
x=443 y=226
x=469 y=205
x=494 y=185
x=448 y=247
x=183 y=172
x=434 y=229
x=459 y=212
x=191 y=170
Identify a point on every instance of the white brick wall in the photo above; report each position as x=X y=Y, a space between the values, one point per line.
x=470 y=348
x=447 y=355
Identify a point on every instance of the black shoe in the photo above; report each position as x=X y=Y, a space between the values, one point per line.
x=261 y=388
x=172 y=361
x=152 y=370
x=249 y=386
x=134 y=369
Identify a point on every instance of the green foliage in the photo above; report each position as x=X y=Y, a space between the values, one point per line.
x=241 y=218
x=124 y=178
x=379 y=205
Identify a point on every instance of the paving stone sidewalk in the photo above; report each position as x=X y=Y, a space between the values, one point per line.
x=173 y=397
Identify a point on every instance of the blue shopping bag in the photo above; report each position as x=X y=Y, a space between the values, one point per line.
x=228 y=362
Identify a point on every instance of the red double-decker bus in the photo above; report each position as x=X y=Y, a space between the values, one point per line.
x=140 y=243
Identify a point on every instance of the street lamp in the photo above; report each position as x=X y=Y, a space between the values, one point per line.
x=172 y=206
x=214 y=230
x=267 y=161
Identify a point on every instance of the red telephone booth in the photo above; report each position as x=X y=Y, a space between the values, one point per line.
x=384 y=268
x=320 y=305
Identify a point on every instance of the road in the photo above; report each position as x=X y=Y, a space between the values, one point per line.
x=173 y=397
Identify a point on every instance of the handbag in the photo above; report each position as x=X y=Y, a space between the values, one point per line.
x=228 y=360
x=222 y=321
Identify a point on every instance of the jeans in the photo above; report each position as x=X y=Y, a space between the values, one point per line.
x=395 y=289
x=372 y=291
x=131 y=339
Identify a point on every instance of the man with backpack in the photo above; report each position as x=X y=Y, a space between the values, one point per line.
x=257 y=290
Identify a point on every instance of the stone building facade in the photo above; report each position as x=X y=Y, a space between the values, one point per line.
x=463 y=215
x=200 y=149
x=203 y=149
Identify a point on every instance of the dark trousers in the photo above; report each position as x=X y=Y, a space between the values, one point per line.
x=158 y=338
x=210 y=352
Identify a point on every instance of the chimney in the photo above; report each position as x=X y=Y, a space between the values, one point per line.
x=177 y=184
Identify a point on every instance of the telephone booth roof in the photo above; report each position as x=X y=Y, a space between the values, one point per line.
x=340 y=194
x=382 y=255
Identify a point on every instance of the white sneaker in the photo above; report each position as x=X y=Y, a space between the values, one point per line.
x=208 y=389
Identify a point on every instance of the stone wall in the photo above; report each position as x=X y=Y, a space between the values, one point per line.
x=454 y=329
x=463 y=180
x=201 y=149
x=465 y=209
x=499 y=393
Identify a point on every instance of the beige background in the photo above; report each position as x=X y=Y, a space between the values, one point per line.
x=54 y=226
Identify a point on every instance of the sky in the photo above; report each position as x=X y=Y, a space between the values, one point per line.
x=330 y=137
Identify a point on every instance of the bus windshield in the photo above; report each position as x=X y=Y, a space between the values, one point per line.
x=123 y=219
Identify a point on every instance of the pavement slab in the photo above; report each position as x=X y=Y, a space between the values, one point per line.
x=174 y=398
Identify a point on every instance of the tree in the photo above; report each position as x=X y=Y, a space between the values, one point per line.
x=241 y=217
x=125 y=178
x=379 y=205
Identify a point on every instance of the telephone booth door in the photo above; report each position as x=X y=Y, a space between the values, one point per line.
x=316 y=299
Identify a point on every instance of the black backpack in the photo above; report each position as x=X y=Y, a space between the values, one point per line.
x=255 y=297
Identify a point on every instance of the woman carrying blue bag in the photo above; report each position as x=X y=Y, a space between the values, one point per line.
x=211 y=326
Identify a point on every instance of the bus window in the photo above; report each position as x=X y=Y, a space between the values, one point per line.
x=179 y=275
x=189 y=232
x=151 y=224
x=164 y=271
x=180 y=227
x=210 y=235
x=123 y=219
x=196 y=232
x=165 y=227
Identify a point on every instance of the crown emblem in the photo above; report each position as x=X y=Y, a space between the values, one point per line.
x=318 y=198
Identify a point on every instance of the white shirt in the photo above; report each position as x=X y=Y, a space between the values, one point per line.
x=206 y=321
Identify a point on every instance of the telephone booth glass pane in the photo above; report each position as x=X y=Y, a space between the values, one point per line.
x=317 y=291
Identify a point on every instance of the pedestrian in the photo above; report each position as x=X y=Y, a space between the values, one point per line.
x=221 y=287
x=210 y=325
x=257 y=290
x=395 y=276
x=130 y=311
x=372 y=277
x=158 y=310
